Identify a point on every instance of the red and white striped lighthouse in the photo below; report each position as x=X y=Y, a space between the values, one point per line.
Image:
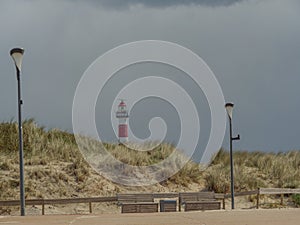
x=122 y=115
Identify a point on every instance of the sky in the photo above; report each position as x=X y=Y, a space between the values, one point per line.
x=252 y=47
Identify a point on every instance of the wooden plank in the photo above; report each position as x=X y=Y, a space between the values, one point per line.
x=104 y=199
x=34 y=201
x=10 y=203
x=128 y=208
x=165 y=195
x=205 y=205
x=219 y=195
x=17 y=202
x=79 y=200
x=196 y=196
x=139 y=197
x=244 y=193
x=65 y=201
x=57 y=201
x=147 y=208
x=275 y=191
x=143 y=207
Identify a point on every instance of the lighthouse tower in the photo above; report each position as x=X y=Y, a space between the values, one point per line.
x=122 y=115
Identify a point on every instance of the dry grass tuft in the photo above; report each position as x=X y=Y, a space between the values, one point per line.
x=54 y=167
x=253 y=170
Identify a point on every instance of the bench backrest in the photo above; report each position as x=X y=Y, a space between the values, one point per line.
x=196 y=196
x=138 y=197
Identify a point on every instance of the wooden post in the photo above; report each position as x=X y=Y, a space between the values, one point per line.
x=281 y=199
x=179 y=207
x=43 y=209
x=90 y=206
x=224 y=198
x=257 y=199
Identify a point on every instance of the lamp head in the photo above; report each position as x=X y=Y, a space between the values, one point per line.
x=17 y=55
x=229 y=109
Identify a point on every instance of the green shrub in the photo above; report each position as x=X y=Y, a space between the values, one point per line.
x=296 y=199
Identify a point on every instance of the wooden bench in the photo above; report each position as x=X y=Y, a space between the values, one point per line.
x=137 y=203
x=194 y=201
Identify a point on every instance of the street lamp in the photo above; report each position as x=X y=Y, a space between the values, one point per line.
x=17 y=55
x=229 y=109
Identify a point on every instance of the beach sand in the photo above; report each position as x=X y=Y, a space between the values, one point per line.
x=222 y=217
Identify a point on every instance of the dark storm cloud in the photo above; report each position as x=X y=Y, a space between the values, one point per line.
x=252 y=46
x=166 y=3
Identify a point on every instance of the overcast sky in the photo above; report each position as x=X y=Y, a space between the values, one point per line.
x=252 y=46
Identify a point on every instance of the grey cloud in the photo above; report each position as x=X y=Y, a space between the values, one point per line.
x=166 y=3
x=251 y=48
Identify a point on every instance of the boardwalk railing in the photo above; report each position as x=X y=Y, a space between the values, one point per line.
x=266 y=191
x=243 y=193
x=218 y=196
x=276 y=191
x=44 y=202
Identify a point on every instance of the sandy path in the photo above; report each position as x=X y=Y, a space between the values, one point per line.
x=237 y=217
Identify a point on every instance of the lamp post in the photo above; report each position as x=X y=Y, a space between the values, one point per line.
x=17 y=55
x=229 y=109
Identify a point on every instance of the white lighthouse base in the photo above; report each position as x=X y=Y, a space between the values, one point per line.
x=123 y=140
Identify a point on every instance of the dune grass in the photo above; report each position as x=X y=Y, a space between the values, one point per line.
x=253 y=170
x=54 y=166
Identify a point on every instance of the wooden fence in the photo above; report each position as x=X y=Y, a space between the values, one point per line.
x=266 y=191
x=219 y=196
x=275 y=191
x=44 y=202
x=239 y=194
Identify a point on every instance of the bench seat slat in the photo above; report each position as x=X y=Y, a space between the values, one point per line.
x=137 y=203
x=135 y=198
x=194 y=206
x=198 y=201
x=146 y=207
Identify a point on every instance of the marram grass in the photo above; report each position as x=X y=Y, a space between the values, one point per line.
x=54 y=167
